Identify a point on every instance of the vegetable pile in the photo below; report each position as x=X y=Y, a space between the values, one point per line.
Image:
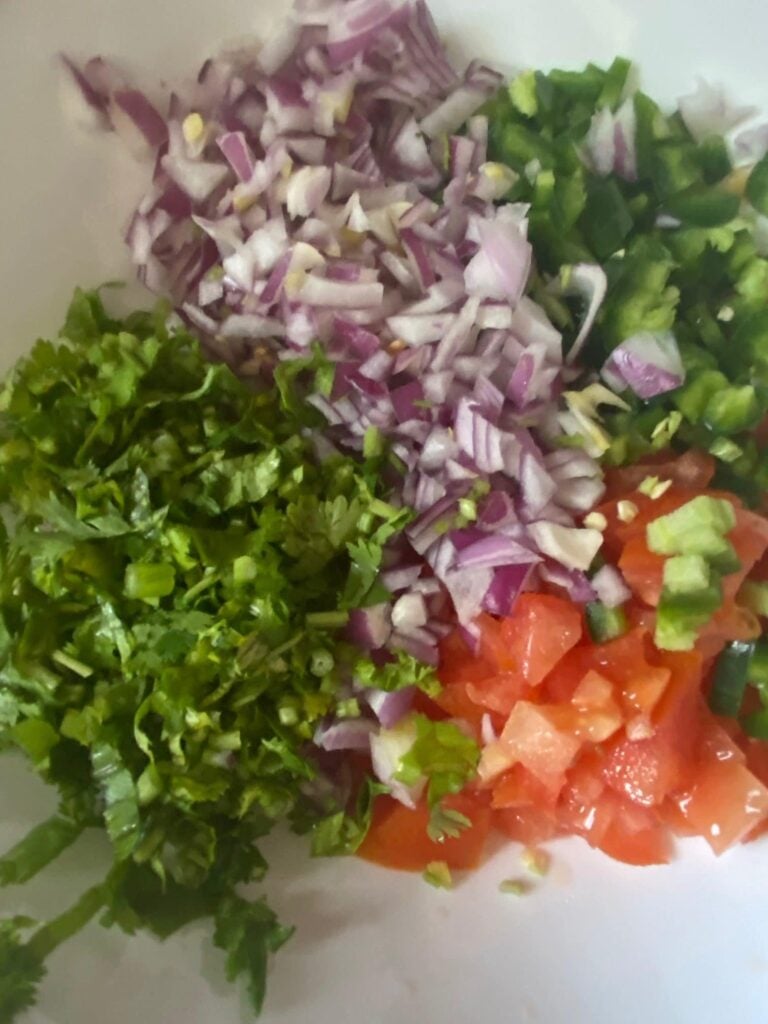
x=672 y=208
x=449 y=523
x=320 y=222
x=177 y=560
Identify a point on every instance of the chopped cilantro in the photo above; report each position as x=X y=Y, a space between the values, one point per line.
x=170 y=601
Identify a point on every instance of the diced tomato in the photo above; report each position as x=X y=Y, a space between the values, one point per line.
x=458 y=664
x=725 y=804
x=643 y=570
x=733 y=622
x=460 y=670
x=533 y=639
x=644 y=690
x=623 y=830
x=633 y=835
x=644 y=771
x=613 y=742
x=756 y=753
x=398 y=836
x=715 y=742
x=493 y=647
x=624 y=659
x=534 y=738
x=499 y=692
x=519 y=787
x=729 y=623
x=674 y=819
x=562 y=682
x=639 y=616
x=528 y=825
x=583 y=789
x=693 y=470
x=596 y=714
x=619 y=532
x=525 y=646
x=757 y=761
x=424 y=705
x=677 y=716
x=750 y=539
x=760 y=571
x=456 y=702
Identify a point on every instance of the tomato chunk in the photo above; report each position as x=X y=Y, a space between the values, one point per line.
x=533 y=639
x=521 y=788
x=398 y=835
x=528 y=825
x=532 y=736
x=692 y=470
x=725 y=804
x=634 y=835
x=644 y=771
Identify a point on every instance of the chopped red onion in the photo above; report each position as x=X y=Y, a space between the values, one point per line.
x=508 y=583
x=649 y=364
x=390 y=708
x=388 y=748
x=610 y=143
x=487 y=731
x=136 y=108
x=708 y=111
x=589 y=281
x=285 y=208
x=501 y=267
x=575 y=583
x=352 y=734
x=490 y=552
x=571 y=546
x=609 y=585
x=409 y=613
x=370 y=627
x=751 y=145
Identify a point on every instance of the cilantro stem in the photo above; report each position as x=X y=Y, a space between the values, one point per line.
x=209 y=579
x=37 y=849
x=70 y=922
x=327 y=620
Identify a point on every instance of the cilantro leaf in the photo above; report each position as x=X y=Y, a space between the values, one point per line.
x=446 y=823
x=443 y=754
x=179 y=557
x=403 y=670
x=21 y=970
x=248 y=932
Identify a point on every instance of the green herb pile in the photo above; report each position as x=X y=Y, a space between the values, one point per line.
x=174 y=568
x=706 y=279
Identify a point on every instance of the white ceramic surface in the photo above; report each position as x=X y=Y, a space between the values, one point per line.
x=598 y=943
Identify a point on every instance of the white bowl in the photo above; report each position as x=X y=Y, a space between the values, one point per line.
x=597 y=943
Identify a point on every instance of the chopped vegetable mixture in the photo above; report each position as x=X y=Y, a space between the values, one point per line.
x=429 y=502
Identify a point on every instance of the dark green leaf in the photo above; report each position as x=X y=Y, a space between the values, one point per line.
x=248 y=932
x=121 y=807
x=21 y=971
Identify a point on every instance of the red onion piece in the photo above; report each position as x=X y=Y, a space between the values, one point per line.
x=353 y=734
x=610 y=587
x=649 y=364
x=390 y=708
